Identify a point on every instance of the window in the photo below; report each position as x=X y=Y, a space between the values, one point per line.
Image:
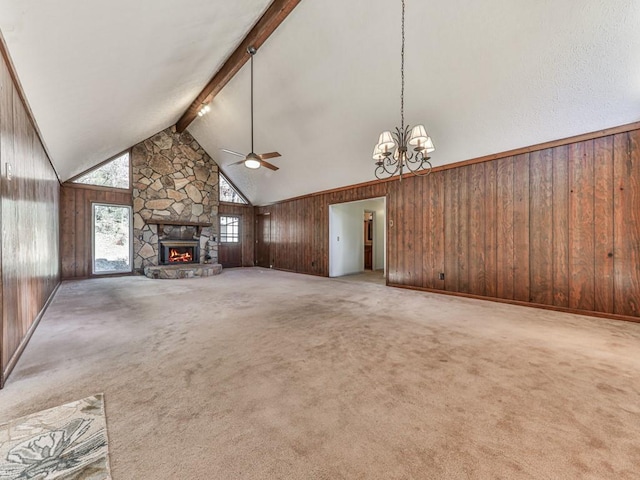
x=229 y=229
x=228 y=193
x=112 y=248
x=114 y=173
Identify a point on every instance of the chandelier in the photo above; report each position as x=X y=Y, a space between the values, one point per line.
x=407 y=148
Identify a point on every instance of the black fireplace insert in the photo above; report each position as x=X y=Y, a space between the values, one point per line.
x=179 y=251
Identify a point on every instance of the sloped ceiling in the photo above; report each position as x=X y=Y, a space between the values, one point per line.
x=484 y=77
x=100 y=76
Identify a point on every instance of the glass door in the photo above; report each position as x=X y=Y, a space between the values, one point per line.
x=112 y=239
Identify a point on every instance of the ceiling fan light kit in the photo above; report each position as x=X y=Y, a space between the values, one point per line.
x=406 y=148
x=252 y=161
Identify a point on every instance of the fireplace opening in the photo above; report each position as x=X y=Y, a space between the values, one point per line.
x=181 y=254
x=179 y=251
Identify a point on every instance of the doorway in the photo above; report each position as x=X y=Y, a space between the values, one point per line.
x=368 y=239
x=349 y=236
x=263 y=241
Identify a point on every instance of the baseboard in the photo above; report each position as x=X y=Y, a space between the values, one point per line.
x=23 y=344
x=589 y=313
x=302 y=273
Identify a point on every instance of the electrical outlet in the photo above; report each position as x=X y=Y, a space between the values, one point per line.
x=441 y=276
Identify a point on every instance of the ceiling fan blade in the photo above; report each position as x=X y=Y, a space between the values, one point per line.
x=265 y=156
x=237 y=163
x=233 y=153
x=268 y=165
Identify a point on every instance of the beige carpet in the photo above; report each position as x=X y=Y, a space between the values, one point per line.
x=258 y=374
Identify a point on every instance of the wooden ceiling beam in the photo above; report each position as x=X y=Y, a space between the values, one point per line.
x=268 y=23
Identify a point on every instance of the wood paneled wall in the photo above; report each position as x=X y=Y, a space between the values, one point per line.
x=247 y=229
x=75 y=208
x=300 y=228
x=557 y=227
x=29 y=250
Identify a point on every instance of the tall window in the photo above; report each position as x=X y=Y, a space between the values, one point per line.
x=112 y=247
x=229 y=229
x=114 y=173
x=228 y=193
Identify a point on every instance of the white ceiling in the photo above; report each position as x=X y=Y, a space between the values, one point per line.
x=100 y=76
x=484 y=77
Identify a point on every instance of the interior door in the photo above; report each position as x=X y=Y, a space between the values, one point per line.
x=230 y=248
x=263 y=241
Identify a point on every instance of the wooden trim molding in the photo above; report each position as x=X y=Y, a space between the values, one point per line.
x=588 y=313
x=487 y=158
x=262 y=30
x=87 y=186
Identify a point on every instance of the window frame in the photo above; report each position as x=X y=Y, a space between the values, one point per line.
x=246 y=203
x=238 y=234
x=73 y=180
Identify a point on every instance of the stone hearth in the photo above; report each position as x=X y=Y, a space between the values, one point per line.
x=183 y=271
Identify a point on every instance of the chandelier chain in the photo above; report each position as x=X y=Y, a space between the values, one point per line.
x=402 y=73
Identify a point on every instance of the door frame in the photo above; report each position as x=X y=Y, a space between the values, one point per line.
x=239 y=244
x=258 y=236
x=385 y=235
x=92 y=271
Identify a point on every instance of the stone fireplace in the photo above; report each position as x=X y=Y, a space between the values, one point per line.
x=175 y=202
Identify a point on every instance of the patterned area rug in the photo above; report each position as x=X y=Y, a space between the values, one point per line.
x=68 y=442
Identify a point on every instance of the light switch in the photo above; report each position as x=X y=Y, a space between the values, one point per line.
x=8 y=171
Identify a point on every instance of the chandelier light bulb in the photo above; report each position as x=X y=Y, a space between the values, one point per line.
x=377 y=153
x=418 y=136
x=429 y=146
x=386 y=141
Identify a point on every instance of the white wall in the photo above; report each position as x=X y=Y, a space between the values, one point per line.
x=346 y=236
x=346 y=244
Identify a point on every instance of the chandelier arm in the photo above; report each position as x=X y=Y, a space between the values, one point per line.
x=382 y=171
x=417 y=168
x=393 y=167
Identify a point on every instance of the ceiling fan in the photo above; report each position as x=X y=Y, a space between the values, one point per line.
x=254 y=160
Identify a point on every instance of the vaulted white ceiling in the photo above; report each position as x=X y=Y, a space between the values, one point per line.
x=484 y=77
x=100 y=76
